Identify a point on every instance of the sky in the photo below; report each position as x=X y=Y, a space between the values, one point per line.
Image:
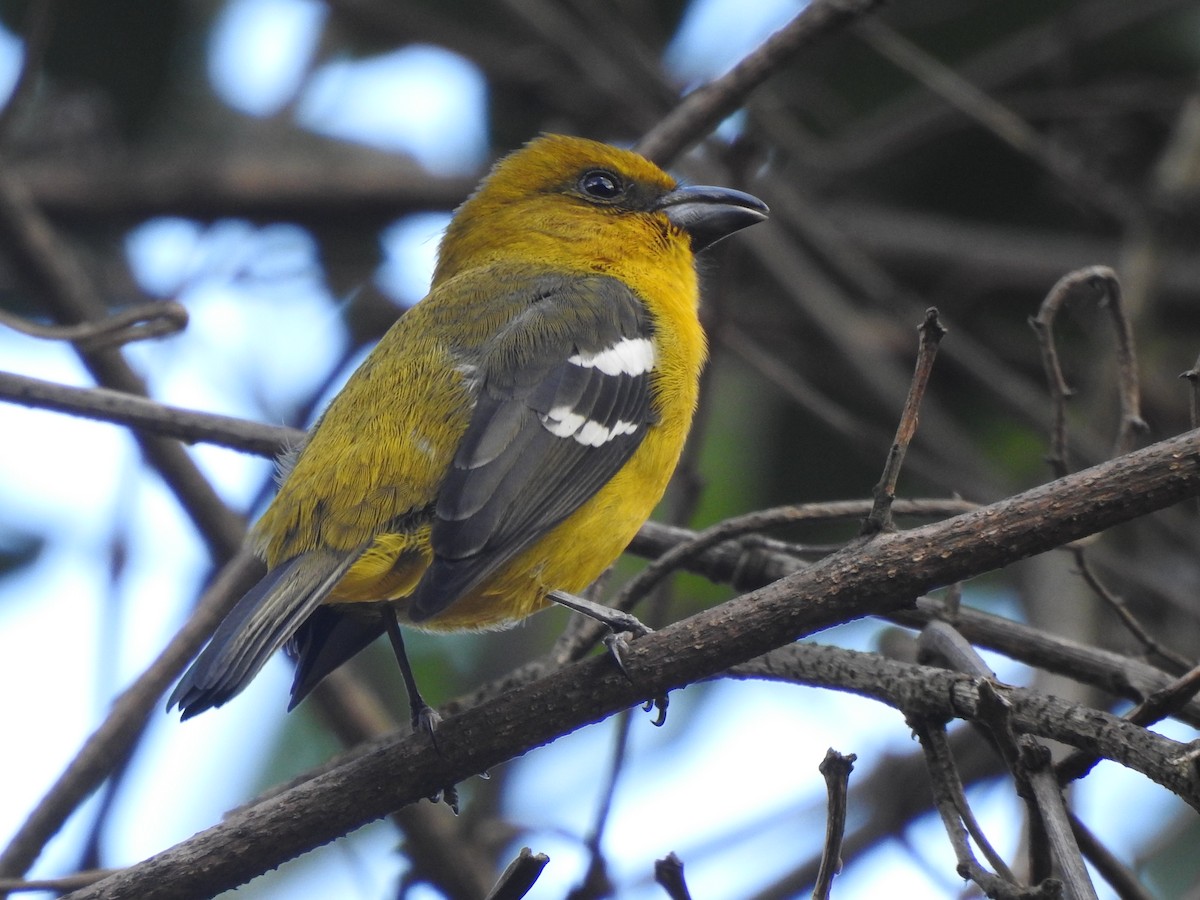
x=240 y=282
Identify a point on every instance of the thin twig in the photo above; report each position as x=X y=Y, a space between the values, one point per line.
x=700 y=111
x=1056 y=823
x=996 y=716
x=519 y=876
x=836 y=768
x=1096 y=279
x=1006 y=125
x=941 y=644
x=140 y=322
x=886 y=801
x=1128 y=619
x=48 y=265
x=1122 y=879
x=1193 y=377
x=880 y=518
x=142 y=414
x=680 y=555
x=1153 y=709
x=951 y=802
x=1129 y=392
x=61 y=885
x=1104 y=280
x=736 y=526
x=668 y=873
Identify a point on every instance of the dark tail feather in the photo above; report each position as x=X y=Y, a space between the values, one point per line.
x=256 y=627
x=325 y=640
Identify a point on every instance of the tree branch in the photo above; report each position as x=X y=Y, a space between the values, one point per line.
x=882 y=575
x=149 y=416
x=702 y=109
x=933 y=693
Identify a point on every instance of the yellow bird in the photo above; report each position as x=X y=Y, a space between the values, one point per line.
x=508 y=435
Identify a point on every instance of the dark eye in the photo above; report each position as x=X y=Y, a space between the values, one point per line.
x=601 y=185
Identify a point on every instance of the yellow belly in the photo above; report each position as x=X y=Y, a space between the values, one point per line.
x=569 y=557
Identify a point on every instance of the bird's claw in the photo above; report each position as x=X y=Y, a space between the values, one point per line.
x=617 y=645
x=660 y=704
x=447 y=795
x=425 y=720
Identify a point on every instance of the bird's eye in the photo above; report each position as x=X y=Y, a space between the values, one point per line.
x=601 y=185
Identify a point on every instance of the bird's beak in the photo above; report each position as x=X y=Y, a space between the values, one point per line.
x=711 y=213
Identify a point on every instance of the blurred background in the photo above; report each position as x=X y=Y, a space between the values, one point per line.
x=283 y=169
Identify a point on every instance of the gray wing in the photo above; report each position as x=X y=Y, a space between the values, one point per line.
x=564 y=400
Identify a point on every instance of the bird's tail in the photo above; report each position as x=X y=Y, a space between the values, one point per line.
x=326 y=639
x=258 y=625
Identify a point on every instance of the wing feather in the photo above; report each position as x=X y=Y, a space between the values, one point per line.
x=564 y=402
x=258 y=625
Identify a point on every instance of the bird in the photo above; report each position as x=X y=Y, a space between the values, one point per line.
x=507 y=436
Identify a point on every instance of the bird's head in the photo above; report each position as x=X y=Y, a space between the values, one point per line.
x=572 y=202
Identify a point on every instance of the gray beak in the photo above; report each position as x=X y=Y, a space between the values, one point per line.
x=711 y=213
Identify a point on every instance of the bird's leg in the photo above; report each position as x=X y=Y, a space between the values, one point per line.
x=616 y=619
x=619 y=622
x=424 y=717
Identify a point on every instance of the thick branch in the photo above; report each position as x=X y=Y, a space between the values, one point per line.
x=882 y=575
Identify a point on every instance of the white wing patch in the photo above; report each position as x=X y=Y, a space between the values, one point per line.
x=629 y=356
x=562 y=421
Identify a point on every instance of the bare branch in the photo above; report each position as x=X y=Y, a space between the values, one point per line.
x=1048 y=798
x=1006 y=125
x=1193 y=377
x=702 y=109
x=1153 y=709
x=142 y=414
x=1123 y=676
x=1125 y=614
x=668 y=872
x=836 y=767
x=685 y=552
x=47 y=264
x=134 y=323
x=1104 y=280
x=878 y=577
x=519 y=877
x=951 y=803
x=932 y=332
